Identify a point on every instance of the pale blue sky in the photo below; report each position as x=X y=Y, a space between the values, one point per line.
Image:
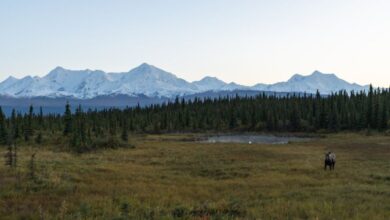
x=246 y=41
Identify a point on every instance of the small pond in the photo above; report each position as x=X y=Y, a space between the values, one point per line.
x=254 y=139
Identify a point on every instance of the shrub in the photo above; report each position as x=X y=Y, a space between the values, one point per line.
x=180 y=212
x=109 y=143
x=38 y=138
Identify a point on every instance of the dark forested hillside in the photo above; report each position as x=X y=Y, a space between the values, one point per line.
x=306 y=113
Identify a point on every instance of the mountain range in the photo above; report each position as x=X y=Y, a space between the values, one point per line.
x=150 y=81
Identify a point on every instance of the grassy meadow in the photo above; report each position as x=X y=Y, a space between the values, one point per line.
x=169 y=177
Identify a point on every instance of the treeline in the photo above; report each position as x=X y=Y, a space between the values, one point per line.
x=305 y=113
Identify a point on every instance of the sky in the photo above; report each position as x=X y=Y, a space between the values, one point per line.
x=245 y=41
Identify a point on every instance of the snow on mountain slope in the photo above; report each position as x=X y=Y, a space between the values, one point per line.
x=325 y=83
x=18 y=87
x=144 y=79
x=209 y=84
x=96 y=83
x=153 y=82
x=81 y=83
x=260 y=87
x=234 y=86
x=6 y=84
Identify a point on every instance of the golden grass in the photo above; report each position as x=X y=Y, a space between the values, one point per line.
x=165 y=177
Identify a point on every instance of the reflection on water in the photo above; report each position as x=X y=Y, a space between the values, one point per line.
x=254 y=139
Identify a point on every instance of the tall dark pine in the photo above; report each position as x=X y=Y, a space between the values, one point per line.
x=40 y=118
x=294 y=118
x=112 y=125
x=14 y=125
x=316 y=110
x=125 y=135
x=232 y=119
x=67 y=120
x=333 y=120
x=384 y=118
x=28 y=127
x=3 y=128
x=370 y=111
x=79 y=141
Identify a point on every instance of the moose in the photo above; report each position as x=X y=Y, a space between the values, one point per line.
x=330 y=160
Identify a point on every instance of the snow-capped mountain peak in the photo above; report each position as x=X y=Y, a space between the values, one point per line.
x=326 y=83
x=234 y=86
x=6 y=84
x=149 y=71
x=58 y=68
x=316 y=72
x=152 y=81
x=145 y=67
x=10 y=80
x=209 y=83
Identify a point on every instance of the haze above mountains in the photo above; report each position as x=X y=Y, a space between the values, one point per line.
x=148 y=80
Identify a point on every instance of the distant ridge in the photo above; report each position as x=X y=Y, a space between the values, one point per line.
x=148 y=80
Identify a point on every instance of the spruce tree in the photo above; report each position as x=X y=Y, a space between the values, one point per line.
x=294 y=118
x=384 y=118
x=370 y=111
x=112 y=126
x=317 y=110
x=28 y=125
x=79 y=141
x=14 y=125
x=125 y=135
x=40 y=118
x=3 y=129
x=67 y=120
x=30 y=120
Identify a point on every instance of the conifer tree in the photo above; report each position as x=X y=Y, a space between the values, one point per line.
x=384 y=118
x=67 y=120
x=28 y=126
x=3 y=129
x=79 y=141
x=40 y=118
x=294 y=118
x=369 y=114
x=14 y=125
x=124 y=135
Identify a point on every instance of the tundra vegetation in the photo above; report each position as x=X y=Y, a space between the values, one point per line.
x=168 y=177
x=138 y=163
